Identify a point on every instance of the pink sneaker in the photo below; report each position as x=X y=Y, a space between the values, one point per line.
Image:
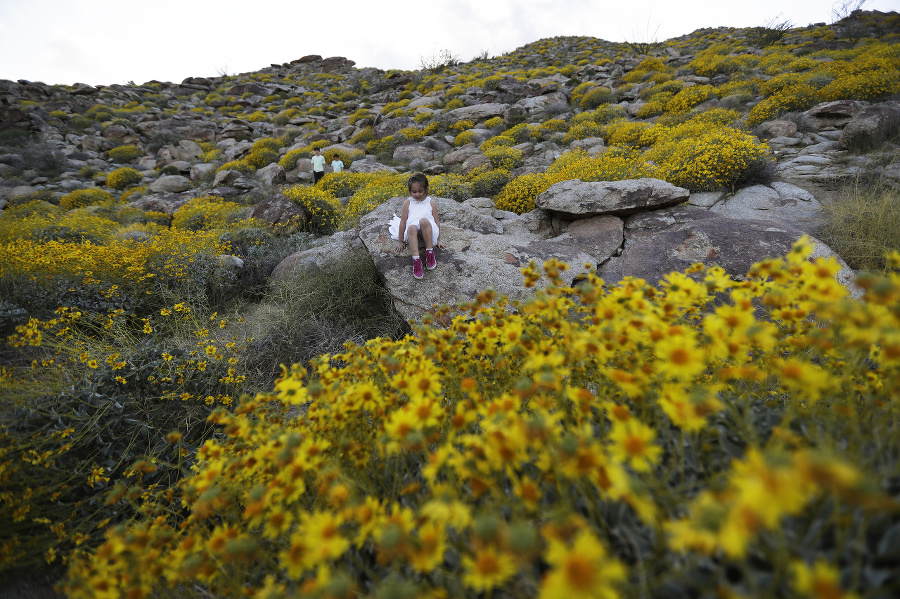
x=430 y=261
x=417 y=268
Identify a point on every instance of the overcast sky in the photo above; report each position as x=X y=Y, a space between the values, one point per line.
x=102 y=42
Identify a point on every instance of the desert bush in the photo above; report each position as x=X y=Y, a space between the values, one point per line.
x=379 y=188
x=322 y=207
x=862 y=225
x=80 y=198
x=504 y=158
x=125 y=153
x=136 y=276
x=616 y=164
x=343 y=184
x=791 y=99
x=489 y=183
x=40 y=195
x=583 y=130
x=44 y=157
x=208 y=212
x=466 y=137
x=135 y=414
x=261 y=157
x=122 y=177
x=580 y=91
x=519 y=194
x=629 y=133
x=240 y=165
x=689 y=97
x=450 y=185
x=594 y=441
x=460 y=126
x=716 y=159
x=768 y=34
x=717 y=60
x=261 y=250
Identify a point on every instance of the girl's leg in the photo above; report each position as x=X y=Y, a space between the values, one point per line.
x=412 y=238
x=428 y=236
x=425 y=227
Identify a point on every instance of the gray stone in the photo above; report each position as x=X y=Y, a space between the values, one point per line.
x=473 y=162
x=199 y=172
x=777 y=128
x=162 y=202
x=391 y=126
x=600 y=236
x=836 y=114
x=415 y=151
x=271 y=175
x=460 y=155
x=342 y=245
x=871 y=126
x=170 y=184
x=281 y=213
x=477 y=113
x=468 y=263
x=782 y=203
x=581 y=199
x=368 y=165
x=226 y=177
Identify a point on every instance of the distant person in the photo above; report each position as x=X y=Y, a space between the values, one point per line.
x=336 y=164
x=318 y=162
x=418 y=220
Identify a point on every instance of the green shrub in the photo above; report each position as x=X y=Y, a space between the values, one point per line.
x=596 y=97
x=125 y=153
x=489 y=183
x=123 y=177
x=790 y=99
x=85 y=197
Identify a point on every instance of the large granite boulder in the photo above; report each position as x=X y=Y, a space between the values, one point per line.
x=871 y=126
x=659 y=242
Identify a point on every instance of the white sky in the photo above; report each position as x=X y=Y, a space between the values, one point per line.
x=102 y=42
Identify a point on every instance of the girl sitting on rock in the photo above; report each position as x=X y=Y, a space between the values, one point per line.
x=419 y=220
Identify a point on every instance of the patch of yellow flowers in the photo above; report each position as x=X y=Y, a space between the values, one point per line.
x=593 y=441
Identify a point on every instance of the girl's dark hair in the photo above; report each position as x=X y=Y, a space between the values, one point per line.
x=417 y=178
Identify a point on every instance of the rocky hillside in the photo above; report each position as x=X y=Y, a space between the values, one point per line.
x=745 y=124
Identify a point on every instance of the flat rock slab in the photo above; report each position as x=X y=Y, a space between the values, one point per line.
x=579 y=199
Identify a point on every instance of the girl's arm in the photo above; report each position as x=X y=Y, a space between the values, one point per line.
x=437 y=221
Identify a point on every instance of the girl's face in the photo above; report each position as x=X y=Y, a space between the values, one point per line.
x=418 y=191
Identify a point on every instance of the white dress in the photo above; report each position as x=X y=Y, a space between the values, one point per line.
x=417 y=211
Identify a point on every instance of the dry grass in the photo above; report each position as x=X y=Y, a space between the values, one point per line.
x=863 y=224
